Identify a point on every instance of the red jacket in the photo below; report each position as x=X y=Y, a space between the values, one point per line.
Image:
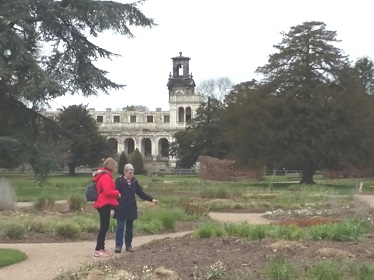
x=107 y=193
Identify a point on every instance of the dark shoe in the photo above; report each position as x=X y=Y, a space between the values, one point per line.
x=117 y=250
x=129 y=249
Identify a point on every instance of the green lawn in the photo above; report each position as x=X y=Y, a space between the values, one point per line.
x=58 y=186
x=11 y=256
x=61 y=186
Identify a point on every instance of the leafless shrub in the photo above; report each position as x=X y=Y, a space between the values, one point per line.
x=224 y=170
x=349 y=172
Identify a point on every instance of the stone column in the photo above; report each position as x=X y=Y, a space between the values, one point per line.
x=154 y=148
x=138 y=145
x=121 y=145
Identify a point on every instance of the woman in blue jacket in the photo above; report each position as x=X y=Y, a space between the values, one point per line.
x=127 y=210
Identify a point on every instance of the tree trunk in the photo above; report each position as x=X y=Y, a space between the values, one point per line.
x=307 y=175
x=71 y=169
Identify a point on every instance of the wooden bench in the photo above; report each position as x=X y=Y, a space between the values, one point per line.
x=293 y=175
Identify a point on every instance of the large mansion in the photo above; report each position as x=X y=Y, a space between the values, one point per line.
x=151 y=132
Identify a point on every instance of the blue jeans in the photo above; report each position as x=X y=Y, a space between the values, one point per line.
x=128 y=235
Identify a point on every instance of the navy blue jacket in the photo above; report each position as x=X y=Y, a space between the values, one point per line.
x=127 y=208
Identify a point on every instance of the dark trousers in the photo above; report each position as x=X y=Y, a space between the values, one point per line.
x=104 y=213
x=128 y=235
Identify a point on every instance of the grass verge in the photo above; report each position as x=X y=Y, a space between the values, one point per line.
x=11 y=256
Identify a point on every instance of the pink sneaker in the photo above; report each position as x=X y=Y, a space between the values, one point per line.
x=101 y=253
x=105 y=253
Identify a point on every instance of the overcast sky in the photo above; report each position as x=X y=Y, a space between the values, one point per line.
x=222 y=38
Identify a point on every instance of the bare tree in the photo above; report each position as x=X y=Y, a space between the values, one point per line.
x=215 y=88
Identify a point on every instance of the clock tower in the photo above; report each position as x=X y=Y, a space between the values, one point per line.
x=183 y=100
x=180 y=80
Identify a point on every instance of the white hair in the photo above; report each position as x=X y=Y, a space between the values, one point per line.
x=128 y=167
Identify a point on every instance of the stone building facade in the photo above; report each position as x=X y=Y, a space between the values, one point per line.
x=151 y=132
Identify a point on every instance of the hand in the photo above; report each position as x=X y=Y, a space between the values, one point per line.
x=119 y=195
x=155 y=201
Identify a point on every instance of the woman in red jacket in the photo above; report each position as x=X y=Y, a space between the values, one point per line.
x=106 y=200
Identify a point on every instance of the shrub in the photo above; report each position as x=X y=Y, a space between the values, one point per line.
x=179 y=213
x=92 y=228
x=168 y=220
x=7 y=195
x=216 y=192
x=347 y=230
x=291 y=232
x=37 y=225
x=44 y=203
x=216 y=271
x=137 y=161
x=237 y=205
x=86 y=223
x=326 y=270
x=155 y=180
x=112 y=225
x=193 y=207
x=208 y=230
x=149 y=226
x=281 y=268
x=122 y=162
x=76 y=203
x=13 y=231
x=217 y=205
x=67 y=230
x=165 y=216
x=365 y=272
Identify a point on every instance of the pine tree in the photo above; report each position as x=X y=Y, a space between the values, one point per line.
x=136 y=160
x=122 y=162
x=30 y=76
x=86 y=145
x=310 y=111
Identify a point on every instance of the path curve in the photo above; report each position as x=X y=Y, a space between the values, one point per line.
x=45 y=260
x=369 y=199
x=252 y=218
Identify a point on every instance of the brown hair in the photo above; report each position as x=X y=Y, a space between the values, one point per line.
x=110 y=164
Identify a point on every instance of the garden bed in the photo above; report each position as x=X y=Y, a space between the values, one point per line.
x=308 y=222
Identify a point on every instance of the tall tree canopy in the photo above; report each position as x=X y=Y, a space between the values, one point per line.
x=205 y=135
x=46 y=52
x=309 y=112
x=364 y=67
x=86 y=146
x=306 y=57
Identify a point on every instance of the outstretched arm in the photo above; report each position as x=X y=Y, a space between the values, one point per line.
x=139 y=191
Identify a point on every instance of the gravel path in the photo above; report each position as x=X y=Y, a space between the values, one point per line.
x=45 y=260
x=369 y=199
x=252 y=218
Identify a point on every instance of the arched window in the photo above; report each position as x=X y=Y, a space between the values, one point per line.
x=163 y=147
x=113 y=146
x=188 y=114
x=146 y=147
x=129 y=146
x=180 y=70
x=181 y=114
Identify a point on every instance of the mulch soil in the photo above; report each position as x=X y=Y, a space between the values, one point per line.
x=192 y=257
x=189 y=256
